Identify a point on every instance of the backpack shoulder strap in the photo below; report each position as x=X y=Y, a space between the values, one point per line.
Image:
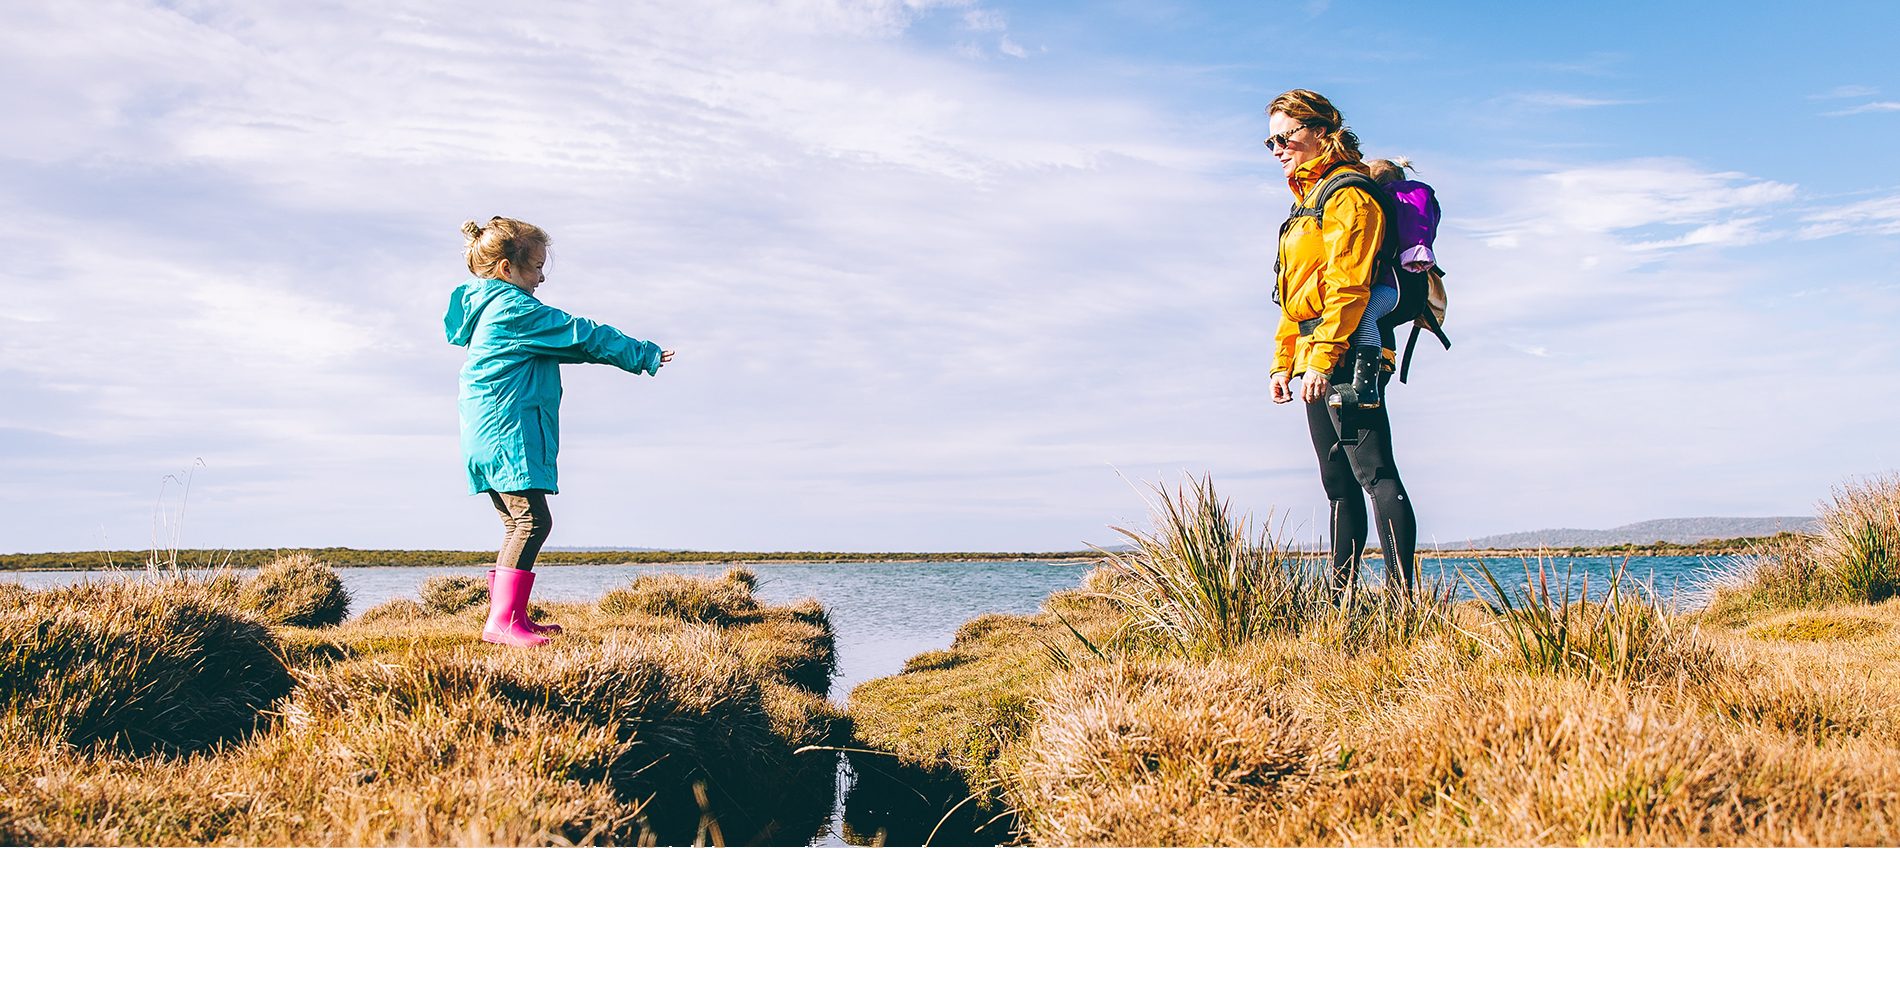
x=1334 y=180
x=1338 y=179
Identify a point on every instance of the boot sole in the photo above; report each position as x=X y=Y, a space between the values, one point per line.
x=539 y=640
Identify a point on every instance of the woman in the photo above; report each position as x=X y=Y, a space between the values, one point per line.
x=1333 y=286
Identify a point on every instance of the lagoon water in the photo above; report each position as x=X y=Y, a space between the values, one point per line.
x=886 y=612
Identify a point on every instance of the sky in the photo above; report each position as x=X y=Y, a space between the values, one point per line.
x=940 y=275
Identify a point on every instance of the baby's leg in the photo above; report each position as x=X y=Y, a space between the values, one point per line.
x=1378 y=304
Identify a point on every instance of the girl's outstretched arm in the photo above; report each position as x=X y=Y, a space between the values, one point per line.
x=546 y=330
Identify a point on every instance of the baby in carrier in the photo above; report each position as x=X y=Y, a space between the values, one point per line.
x=1403 y=274
x=1414 y=218
x=1417 y=220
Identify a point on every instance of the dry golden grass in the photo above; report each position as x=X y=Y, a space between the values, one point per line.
x=449 y=593
x=393 y=610
x=295 y=590
x=142 y=665
x=691 y=598
x=404 y=729
x=1531 y=718
x=1455 y=741
x=957 y=709
x=1155 y=754
x=1854 y=556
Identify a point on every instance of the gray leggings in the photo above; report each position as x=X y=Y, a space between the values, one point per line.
x=525 y=517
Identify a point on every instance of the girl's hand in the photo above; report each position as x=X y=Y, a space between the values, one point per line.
x=1281 y=394
x=1314 y=388
x=666 y=356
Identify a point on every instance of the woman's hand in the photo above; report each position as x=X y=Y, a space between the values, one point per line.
x=666 y=356
x=1314 y=388
x=1281 y=394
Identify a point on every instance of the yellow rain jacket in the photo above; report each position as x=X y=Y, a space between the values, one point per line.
x=1325 y=272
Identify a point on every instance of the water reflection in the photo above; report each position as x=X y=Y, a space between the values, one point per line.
x=891 y=804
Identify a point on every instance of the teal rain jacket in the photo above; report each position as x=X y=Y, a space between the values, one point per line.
x=511 y=382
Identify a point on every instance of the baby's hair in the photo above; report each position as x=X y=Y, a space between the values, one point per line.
x=1389 y=171
x=502 y=239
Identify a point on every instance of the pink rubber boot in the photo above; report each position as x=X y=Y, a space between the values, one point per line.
x=508 y=610
x=533 y=626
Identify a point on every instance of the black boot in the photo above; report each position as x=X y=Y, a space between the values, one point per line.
x=1363 y=393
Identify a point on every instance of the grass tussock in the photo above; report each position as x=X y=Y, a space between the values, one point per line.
x=1546 y=715
x=296 y=590
x=687 y=598
x=1626 y=635
x=1156 y=754
x=450 y=594
x=1854 y=557
x=396 y=609
x=1203 y=581
x=401 y=728
x=138 y=665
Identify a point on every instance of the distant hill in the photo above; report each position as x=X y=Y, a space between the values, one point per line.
x=1680 y=530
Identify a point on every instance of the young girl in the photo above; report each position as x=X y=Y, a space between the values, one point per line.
x=511 y=398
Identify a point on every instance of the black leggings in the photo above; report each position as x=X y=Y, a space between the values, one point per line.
x=1355 y=456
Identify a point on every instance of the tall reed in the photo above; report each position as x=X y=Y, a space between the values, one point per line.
x=1204 y=581
x=1628 y=635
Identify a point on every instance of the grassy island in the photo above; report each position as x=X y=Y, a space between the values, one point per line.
x=1204 y=689
x=164 y=711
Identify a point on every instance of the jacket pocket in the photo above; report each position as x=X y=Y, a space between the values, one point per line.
x=547 y=425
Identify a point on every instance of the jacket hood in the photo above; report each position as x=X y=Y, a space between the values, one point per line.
x=465 y=307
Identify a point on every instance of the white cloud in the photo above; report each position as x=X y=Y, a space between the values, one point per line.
x=1879 y=216
x=1732 y=233
x=982 y=19
x=917 y=302
x=1871 y=106
x=872 y=259
x=1550 y=100
x=1635 y=201
x=1844 y=92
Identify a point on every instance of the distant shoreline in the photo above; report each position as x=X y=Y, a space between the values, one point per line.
x=139 y=559
x=97 y=561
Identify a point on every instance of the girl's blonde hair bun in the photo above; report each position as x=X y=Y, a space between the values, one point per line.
x=502 y=239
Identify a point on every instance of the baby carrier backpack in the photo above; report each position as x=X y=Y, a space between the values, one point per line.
x=1414 y=221
x=1411 y=225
